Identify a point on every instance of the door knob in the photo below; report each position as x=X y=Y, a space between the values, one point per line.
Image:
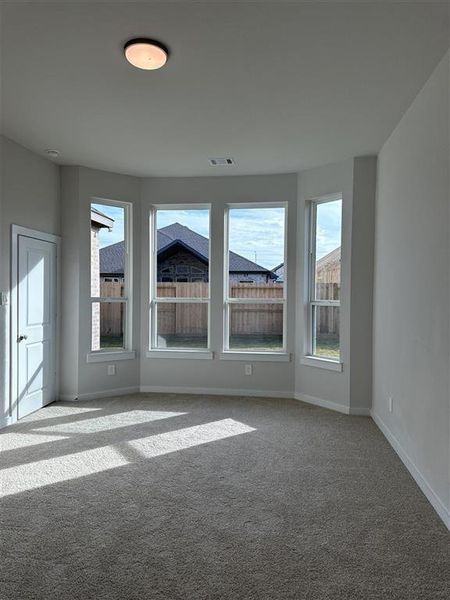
x=22 y=337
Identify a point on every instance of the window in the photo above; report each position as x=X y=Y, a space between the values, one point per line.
x=179 y=306
x=255 y=305
x=324 y=276
x=110 y=276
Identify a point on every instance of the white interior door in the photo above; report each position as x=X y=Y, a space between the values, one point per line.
x=36 y=326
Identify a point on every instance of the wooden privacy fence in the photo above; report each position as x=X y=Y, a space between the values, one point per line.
x=192 y=319
x=328 y=317
x=111 y=313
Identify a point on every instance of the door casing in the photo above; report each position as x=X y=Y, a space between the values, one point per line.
x=16 y=231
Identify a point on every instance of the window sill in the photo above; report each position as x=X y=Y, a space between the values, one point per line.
x=184 y=354
x=322 y=363
x=110 y=356
x=256 y=356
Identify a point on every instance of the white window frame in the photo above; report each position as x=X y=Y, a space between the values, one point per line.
x=310 y=357
x=153 y=350
x=126 y=352
x=228 y=301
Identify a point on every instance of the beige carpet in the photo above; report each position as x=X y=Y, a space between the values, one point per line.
x=193 y=497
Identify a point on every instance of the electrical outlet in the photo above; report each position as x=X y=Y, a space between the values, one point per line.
x=391 y=403
x=248 y=369
x=3 y=298
x=111 y=369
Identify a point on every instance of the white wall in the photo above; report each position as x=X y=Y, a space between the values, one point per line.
x=268 y=377
x=30 y=198
x=411 y=295
x=349 y=390
x=80 y=186
x=312 y=382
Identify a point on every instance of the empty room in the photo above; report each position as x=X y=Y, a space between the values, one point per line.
x=224 y=300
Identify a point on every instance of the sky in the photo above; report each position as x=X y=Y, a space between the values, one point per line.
x=257 y=234
x=328 y=227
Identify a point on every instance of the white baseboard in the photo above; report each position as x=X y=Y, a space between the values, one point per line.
x=67 y=397
x=103 y=394
x=346 y=410
x=421 y=481
x=215 y=391
x=322 y=403
x=359 y=411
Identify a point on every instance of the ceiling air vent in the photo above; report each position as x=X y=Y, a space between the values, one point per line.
x=221 y=162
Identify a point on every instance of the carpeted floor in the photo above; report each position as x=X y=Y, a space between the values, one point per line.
x=170 y=497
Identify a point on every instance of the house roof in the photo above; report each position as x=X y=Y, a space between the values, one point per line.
x=279 y=271
x=330 y=260
x=100 y=219
x=112 y=257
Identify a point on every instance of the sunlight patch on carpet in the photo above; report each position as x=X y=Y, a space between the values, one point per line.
x=72 y=466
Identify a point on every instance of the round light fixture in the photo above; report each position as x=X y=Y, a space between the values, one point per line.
x=146 y=54
x=52 y=153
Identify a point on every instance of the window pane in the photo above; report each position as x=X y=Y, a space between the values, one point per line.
x=182 y=261
x=108 y=320
x=256 y=250
x=107 y=250
x=326 y=331
x=328 y=250
x=181 y=325
x=256 y=327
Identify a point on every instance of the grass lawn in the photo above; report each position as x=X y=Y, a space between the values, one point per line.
x=327 y=346
x=111 y=341
x=237 y=342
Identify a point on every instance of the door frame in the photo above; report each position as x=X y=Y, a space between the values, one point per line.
x=16 y=231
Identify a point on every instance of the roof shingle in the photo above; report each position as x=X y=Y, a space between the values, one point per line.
x=112 y=257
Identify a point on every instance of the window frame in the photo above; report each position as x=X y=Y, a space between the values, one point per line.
x=312 y=303
x=228 y=352
x=126 y=299
x=154 y=300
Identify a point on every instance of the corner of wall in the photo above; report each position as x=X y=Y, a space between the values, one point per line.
x=70 y=275
x=361 y=295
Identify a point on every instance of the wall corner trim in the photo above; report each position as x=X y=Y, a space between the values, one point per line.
x=430 y=494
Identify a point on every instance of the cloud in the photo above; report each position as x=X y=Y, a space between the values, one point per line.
x=328 y=227
x=258 y=234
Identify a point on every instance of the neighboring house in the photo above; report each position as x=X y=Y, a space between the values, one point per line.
x=183 y=256
x=279 y=272
x=99 y=221
x=328 y=268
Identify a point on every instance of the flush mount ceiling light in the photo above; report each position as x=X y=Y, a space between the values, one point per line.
x=52 y=153
x=146 y=54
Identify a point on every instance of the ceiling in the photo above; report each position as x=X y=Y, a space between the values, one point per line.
x=278 y=86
